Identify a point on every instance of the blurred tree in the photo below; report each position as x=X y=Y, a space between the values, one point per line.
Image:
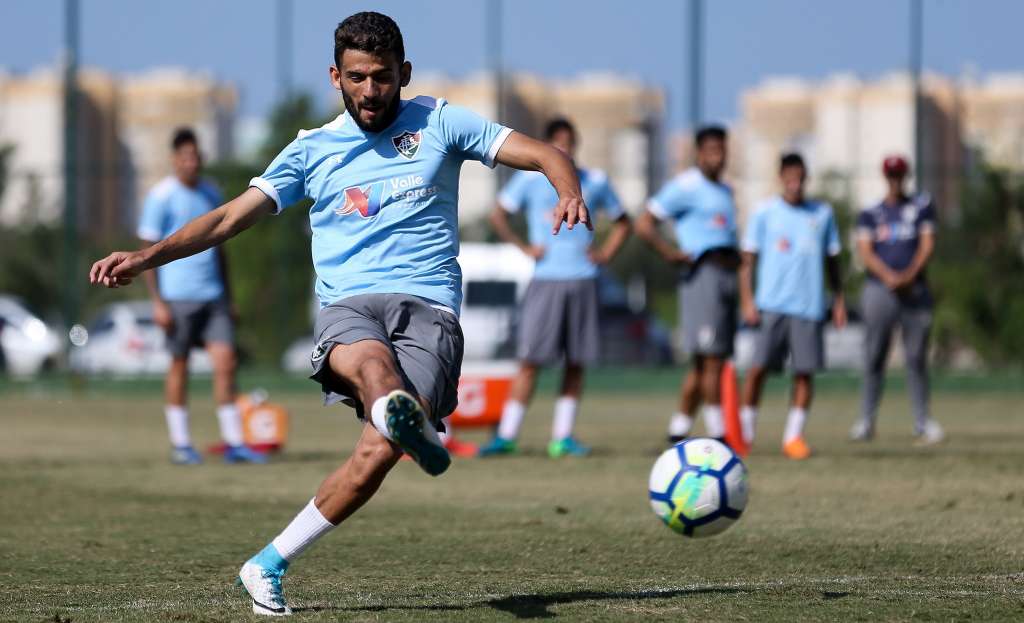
x=978 y=268
x=5 y=158
x=271 y=269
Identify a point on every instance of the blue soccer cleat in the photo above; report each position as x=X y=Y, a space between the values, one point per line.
x=414 y=434
x=243 y=454
x=261 y=576
x=567 y=447
x=499 y=447
x=185 y=455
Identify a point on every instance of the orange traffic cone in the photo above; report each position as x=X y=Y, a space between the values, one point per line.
x=731 y=410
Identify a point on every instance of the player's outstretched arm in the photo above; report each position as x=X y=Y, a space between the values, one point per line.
x=522 y=152
x=200 y=234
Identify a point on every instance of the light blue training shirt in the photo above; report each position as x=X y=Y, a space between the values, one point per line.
x=167 y=208
x=565 y=255
x=703 y=212
x=385 y=204
x=791 y=243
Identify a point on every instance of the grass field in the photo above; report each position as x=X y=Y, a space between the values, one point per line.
x=96 y=526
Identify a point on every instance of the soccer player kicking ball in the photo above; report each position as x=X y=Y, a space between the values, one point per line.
x=791 y=240
x=384 y=180
x=701 y=207
x=559 y=320
x=192 y=304
x=895 y=239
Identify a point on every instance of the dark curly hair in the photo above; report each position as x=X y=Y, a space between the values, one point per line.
x=370 y=32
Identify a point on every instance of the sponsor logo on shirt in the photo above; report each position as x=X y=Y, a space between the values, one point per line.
x=368 y=200
x=719 y=221
x=783 y=244
x=407 y=144
x=363 y=199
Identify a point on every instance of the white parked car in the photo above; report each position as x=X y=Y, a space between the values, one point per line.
x=28 y=345
x=123 y=340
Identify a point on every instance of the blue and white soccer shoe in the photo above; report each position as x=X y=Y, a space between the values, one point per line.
x=413 y=432
x=261 y=576
x=185 y=455
x=243 y=454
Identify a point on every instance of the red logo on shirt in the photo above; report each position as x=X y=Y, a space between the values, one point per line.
x=365 y=200
x=783 y=245
x=719 y=221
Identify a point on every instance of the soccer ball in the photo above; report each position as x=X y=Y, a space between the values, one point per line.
x=698 y=487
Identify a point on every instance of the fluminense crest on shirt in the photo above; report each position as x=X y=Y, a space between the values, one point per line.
x=407 y=144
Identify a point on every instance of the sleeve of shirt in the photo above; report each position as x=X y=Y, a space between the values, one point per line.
x=670 y=202
x=865 y=226
x=926 y=219
x=284 y=181
x=753 y=232
x=471 y=135
x=152 y=223
x=512 y=197
x=608 y=201
x=832 y=243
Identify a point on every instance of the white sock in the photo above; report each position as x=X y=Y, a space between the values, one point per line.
x=511 y=419
x=565 y=418
x=177 y=425
x=794 y=424
x=713 y=425
x=748 y=420
x=379 y=417
x=308 y=526
x=447 y=430
x=230 y=419
x=680 y=424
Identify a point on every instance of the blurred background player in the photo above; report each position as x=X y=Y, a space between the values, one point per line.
x=702 y=209
x=791 y=240
x=389 y=347
x=559 y=320
x=895 y=239
x=192 y=303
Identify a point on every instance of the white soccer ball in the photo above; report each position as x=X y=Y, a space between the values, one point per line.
x=698 y=487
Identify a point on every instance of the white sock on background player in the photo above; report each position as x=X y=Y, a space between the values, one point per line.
x=680 y=424
x=794 y=424
x=748 y=421
x=713 y=425
x=308 y=526
x=177 y=425
x=564 y=419
x=230 y=419
x=511 y=419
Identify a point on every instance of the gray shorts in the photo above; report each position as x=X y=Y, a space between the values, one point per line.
x=707 y=309
x=197 y=323
x=426 y=341
x=780 y=335
x=559 y=322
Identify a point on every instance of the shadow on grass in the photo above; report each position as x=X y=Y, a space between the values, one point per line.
x=535 y=606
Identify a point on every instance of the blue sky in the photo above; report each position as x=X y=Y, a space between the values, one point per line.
x=746 y=39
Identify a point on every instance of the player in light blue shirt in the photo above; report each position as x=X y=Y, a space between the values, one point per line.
x=700 y=208
x=192 y=303
x=383 y=178
x=794 y=244
x=559 y=318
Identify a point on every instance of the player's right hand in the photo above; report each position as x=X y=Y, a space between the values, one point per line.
x=117 y=269
x=679 y=257
x=750 y=315
x=534 y=250
x=162 y=315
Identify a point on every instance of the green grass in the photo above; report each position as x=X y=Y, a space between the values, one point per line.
x=96 y=526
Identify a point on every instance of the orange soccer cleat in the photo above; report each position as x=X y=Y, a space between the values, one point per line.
x=796 y=449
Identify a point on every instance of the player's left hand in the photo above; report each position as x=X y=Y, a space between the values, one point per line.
x=570 y=210
x=117 y=269
x=839 y=313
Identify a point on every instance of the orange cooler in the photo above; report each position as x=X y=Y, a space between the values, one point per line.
x=483 y=390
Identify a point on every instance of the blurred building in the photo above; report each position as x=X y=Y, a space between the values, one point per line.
x=993 y=119
x=845 y=127
x=122 y=141
x=620 y=123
